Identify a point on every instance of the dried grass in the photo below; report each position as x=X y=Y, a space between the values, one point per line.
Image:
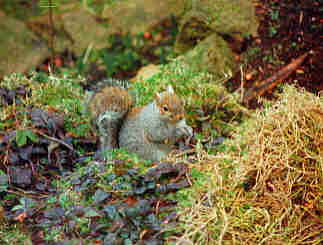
x=268 y=187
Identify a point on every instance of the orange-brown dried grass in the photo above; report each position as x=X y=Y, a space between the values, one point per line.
x=269 y=190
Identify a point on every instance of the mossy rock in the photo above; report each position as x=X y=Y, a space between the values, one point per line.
x=84 y=30
x=213 y=55
x=75 y=29
x=139 y=15
x=226 y=17
x=20 y=49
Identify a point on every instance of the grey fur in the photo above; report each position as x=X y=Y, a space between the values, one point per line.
x=109 y=124
x=146 y=133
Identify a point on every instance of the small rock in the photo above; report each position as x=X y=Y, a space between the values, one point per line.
x=146 y=72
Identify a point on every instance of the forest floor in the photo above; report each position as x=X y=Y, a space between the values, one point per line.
x=288 y=29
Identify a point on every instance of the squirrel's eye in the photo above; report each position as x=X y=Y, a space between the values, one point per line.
x=165 y=108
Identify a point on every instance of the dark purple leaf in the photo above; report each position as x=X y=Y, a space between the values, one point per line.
x=54 y=213
x=21 y=91
x=14 y=158
x=111 y=239
x=40 y=186
x=37 y=150
x=20 y=176
x=153 y=242
x=172 y=187
x=25 y=152
x=165 y=169
x=43 y=119
x=9 y=137
x=111 y=212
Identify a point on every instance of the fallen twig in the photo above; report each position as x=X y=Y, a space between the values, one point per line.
x=275 y=79
x=57 y=141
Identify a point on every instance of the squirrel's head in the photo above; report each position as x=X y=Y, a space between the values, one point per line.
x=170 y=106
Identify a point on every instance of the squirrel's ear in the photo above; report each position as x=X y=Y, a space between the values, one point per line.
x=158 y=97
x=170 y=89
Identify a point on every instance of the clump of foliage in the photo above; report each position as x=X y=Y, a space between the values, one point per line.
x=266 y=188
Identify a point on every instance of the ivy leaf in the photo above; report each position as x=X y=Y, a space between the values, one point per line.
x=23 y=135
x=30 y=134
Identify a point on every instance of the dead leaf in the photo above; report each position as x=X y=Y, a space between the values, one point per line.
x=21 y=217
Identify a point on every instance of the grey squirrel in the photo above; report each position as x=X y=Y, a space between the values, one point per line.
x=149 y=131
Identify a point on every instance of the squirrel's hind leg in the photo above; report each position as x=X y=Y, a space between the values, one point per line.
x=108 y=124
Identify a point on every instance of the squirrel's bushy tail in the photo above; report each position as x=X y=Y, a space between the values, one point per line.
x=108 y=109
x=110 y=82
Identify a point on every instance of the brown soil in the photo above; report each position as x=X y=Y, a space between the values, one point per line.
x=288 y=29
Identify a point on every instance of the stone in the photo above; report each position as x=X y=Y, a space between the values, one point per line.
x=146 y=72
x=225 y=17
x=213 y=55
x=137 y=16
x=20 y=49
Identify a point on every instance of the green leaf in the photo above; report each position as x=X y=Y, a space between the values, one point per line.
x=33 y=137
x=23 y=135
x=92 y=213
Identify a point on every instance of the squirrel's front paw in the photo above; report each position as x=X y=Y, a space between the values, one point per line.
x=188 y=131
x=184 y=130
